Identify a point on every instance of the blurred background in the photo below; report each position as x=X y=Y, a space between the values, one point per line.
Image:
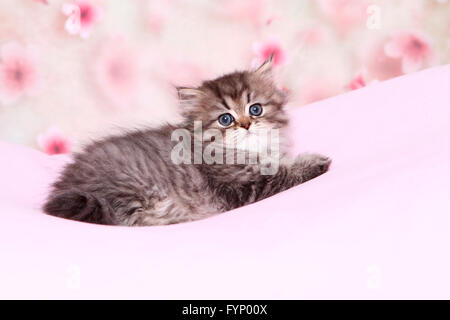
x=71 y=71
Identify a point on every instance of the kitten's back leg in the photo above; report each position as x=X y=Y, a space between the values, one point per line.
x=78 y=205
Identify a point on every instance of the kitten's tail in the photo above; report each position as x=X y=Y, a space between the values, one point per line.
x=77 y=205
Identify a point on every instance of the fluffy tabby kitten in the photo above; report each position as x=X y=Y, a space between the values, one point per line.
x=132 y=179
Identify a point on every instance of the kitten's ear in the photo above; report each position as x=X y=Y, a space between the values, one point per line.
x=186 y=93
x=266 y=68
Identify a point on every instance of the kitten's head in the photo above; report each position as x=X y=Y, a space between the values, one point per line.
x=239 y=104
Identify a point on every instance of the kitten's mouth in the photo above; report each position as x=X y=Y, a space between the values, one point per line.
x=247 y=131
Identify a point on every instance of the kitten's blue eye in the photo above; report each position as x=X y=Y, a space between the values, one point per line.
x=226 y=119
x=255 y=109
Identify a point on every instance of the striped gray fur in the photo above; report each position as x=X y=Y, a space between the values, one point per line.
x=131 y=180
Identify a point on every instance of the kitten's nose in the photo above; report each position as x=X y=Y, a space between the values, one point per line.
x=245 y=125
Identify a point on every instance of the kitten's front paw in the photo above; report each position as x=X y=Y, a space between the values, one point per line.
x=311 y=165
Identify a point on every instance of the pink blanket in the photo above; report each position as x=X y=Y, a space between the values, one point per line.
x=376 y=226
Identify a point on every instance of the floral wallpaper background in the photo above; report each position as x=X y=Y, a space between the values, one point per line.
x=72 y=70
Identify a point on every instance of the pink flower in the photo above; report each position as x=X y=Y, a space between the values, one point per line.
x=18 y=73
x=117 y=73
x=158 y=11
x=82 y=15
x=414 y=51
x=379 y=65
x=54 y=142
x=264 y=50
x=357 y=82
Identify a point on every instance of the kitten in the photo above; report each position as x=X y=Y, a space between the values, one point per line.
x=140 y=178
